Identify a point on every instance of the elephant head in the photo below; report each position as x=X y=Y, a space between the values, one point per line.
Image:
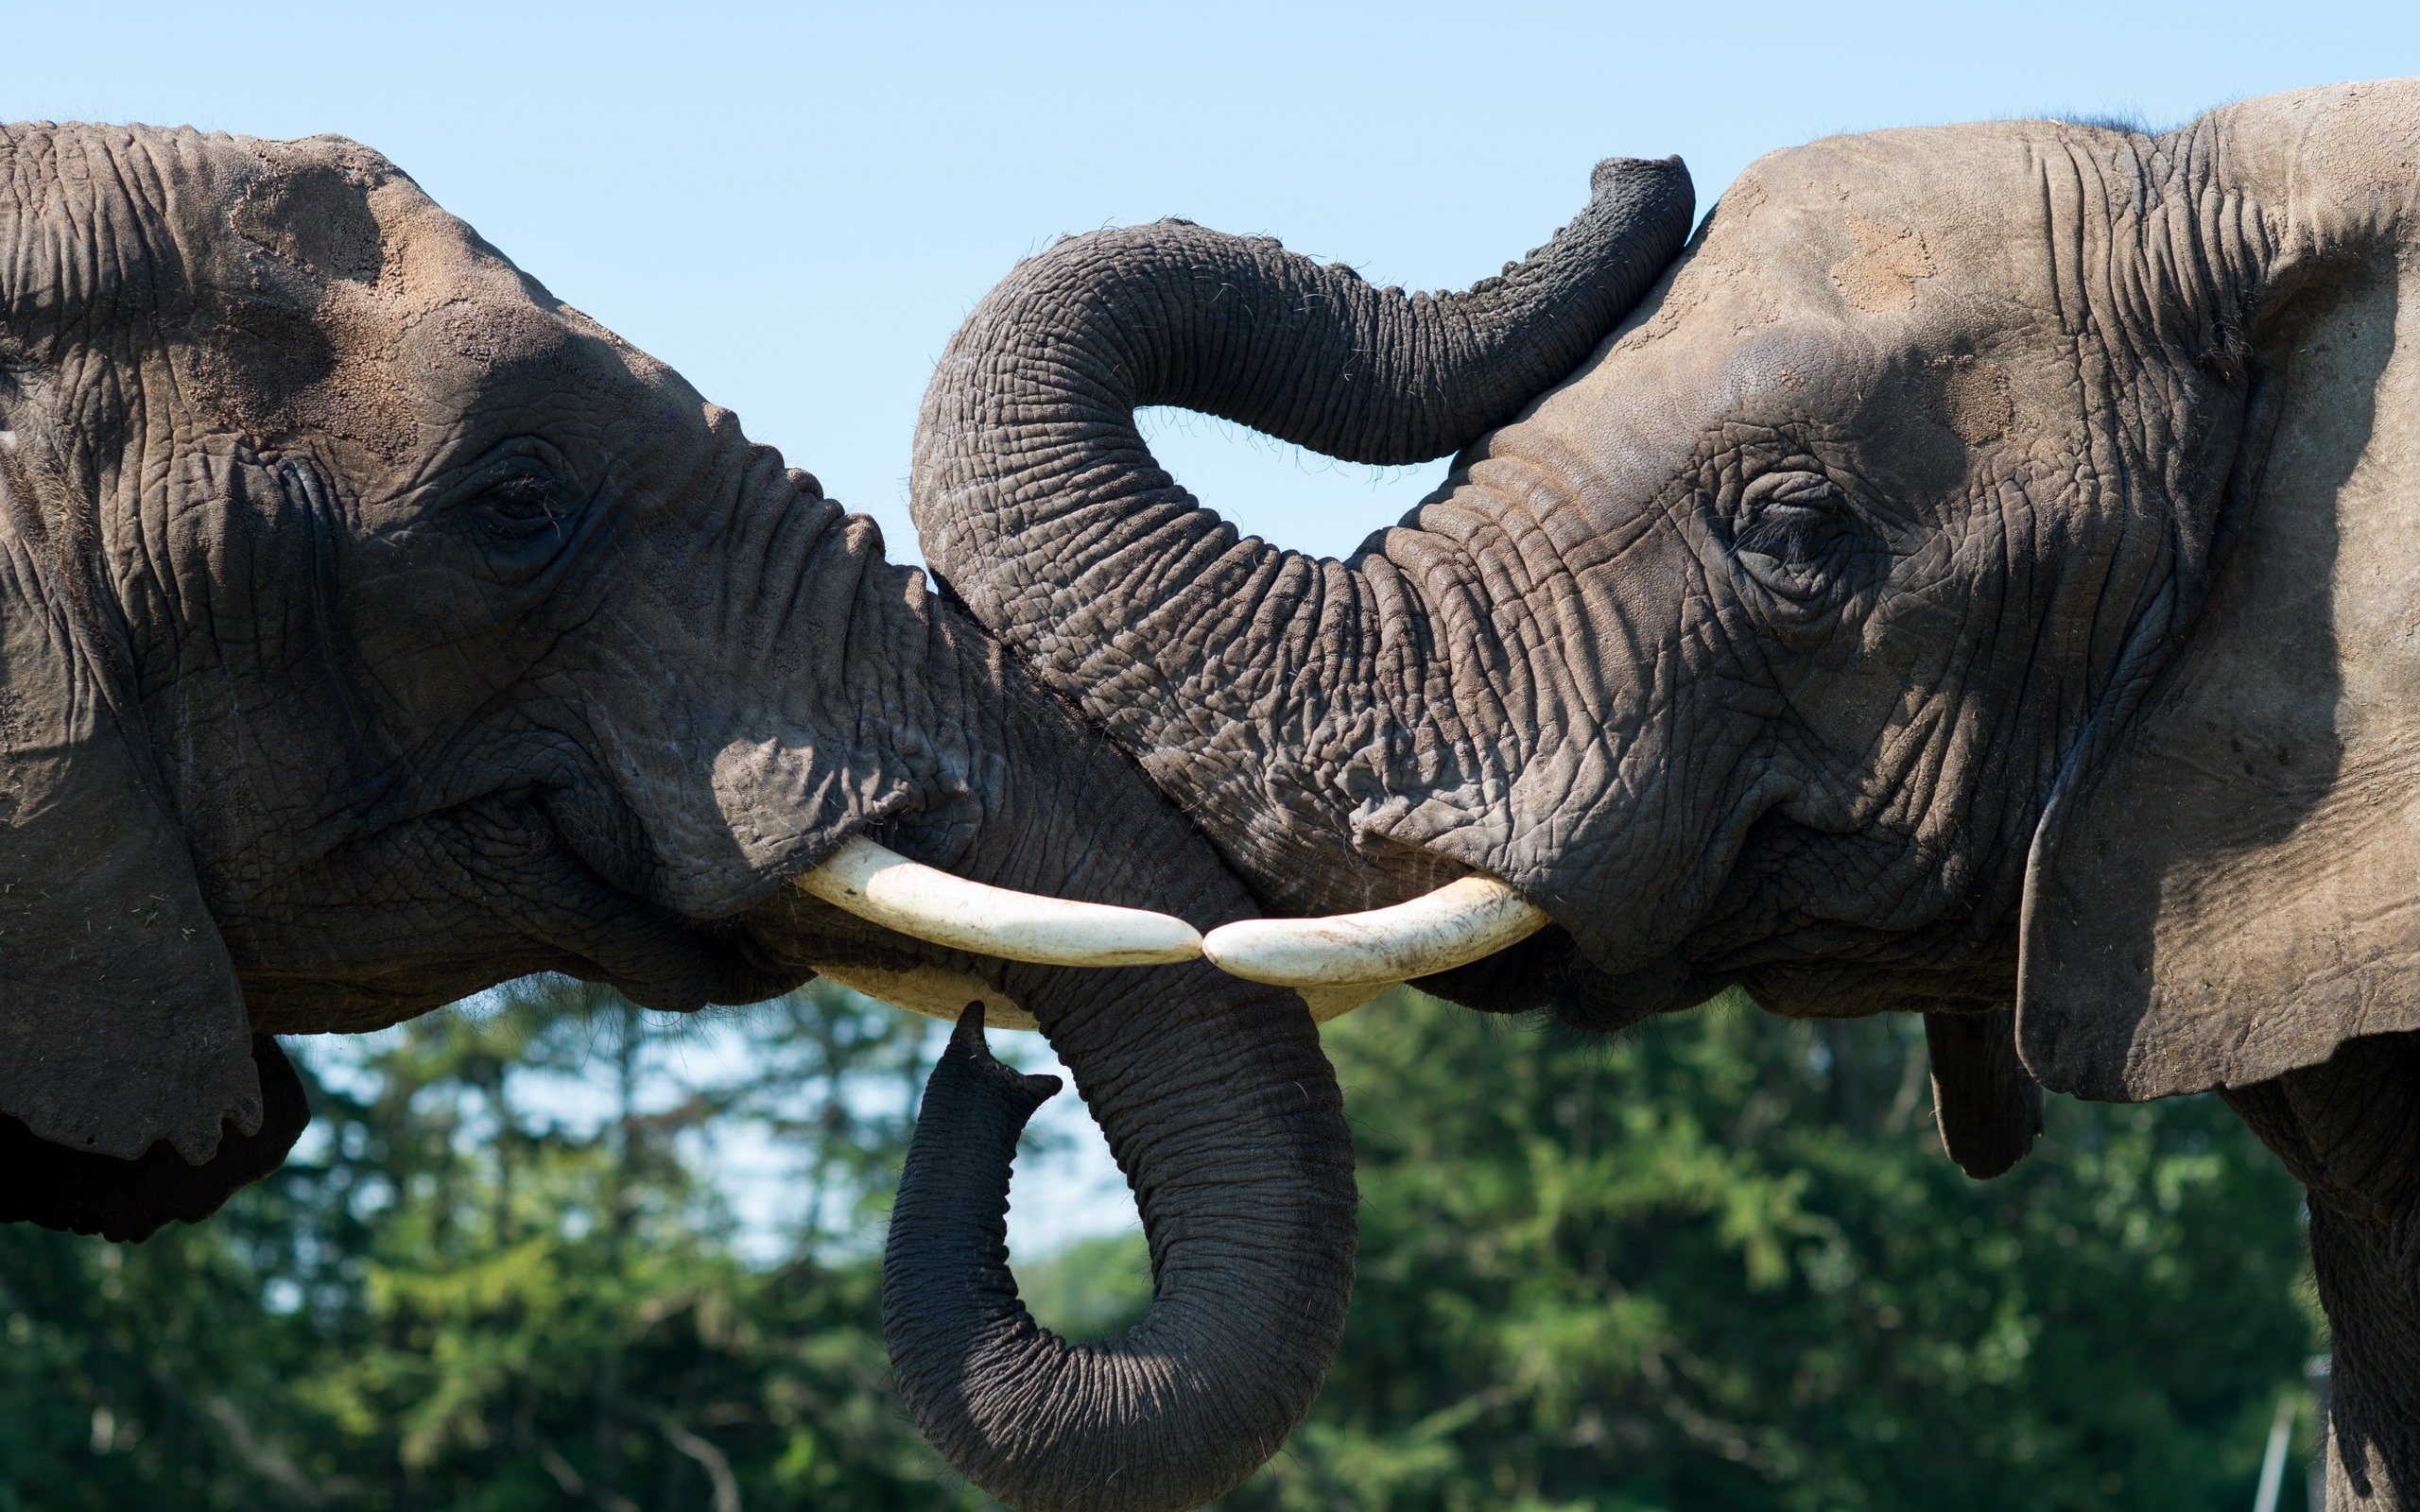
x=1976 y=576
x=374 y=627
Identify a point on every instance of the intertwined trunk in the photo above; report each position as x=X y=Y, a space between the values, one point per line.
x=1218 y=1105
x=1212 y=1092
x=1292 y=704
x=1226 y=1118
x=1280 y=699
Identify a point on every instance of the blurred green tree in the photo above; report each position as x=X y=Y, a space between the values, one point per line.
x=1718 y=1262
x=1722 y=1263
x=450 y=1299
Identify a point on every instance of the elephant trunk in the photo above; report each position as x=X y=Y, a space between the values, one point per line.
x=1251 y=1238
x=1215 y=1099
x=1257 y=686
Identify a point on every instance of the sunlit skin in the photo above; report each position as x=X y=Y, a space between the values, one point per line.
x=1915 y=604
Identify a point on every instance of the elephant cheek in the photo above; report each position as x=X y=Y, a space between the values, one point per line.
x=706 y=844
x=781 y=805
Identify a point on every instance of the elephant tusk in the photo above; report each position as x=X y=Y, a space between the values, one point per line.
x=1453 y=926
x=935 y=991
x=1334 y=1002
x=885 y=887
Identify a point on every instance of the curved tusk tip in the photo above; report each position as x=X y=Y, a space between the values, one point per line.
x=1453 y=926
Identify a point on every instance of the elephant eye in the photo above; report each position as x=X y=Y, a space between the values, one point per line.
x=1790 y=530
x=522 y=502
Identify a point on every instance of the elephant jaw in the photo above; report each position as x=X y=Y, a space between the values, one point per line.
x=1336 y=963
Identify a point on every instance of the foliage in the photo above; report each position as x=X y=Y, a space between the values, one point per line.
x=1716 y=1264
x=1094 y=1288
x=1723 y=1262
x=452 y=1301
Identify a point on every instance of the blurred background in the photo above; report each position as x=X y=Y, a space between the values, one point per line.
x=549 y=1251
x=1719 y=1263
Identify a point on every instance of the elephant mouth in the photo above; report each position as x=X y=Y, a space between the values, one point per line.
x=1336 y=962
x=431 y=909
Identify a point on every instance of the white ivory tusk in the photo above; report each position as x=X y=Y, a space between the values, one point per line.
x=1453 y=926
x=934 y=991
x=1334 y=1002
x=888 y=889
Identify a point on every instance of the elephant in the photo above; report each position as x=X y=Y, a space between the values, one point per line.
x=1974 y=573
x=374 y=628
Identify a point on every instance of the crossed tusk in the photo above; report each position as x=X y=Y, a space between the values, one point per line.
x=1336 y=962
x=882 y=886
x=1453 y=926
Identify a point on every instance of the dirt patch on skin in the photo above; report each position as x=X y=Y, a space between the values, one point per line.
x=1712 y=272
x=1740 y=200
x=1880 y=276
x=314 y=354
x=1970 y=396
x=311 y=210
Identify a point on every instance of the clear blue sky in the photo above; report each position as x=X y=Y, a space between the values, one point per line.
x=795 y=204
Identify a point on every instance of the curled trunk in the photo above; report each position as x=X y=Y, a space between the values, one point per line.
x=1213 y=1097
x=1294 y=705
x=1252 y=1237
x=1236 y=673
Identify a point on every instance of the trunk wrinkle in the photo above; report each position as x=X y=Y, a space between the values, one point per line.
x=1249 y=1240
x=1303 y=710
x=1215 y=1100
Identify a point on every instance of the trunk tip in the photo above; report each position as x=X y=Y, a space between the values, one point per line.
x=1656 y=193
x=967 y=1046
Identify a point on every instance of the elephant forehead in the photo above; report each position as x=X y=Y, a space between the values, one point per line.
x=1643 y=414
x=478 y=338
x=391 y=276
x=470 y=354
x=333 y=297
x=1859 y=285
x=1893 y=232
x=1879 y=221
x=326 y=221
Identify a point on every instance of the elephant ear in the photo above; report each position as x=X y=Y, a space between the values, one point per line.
x=128 y=1202
x=121 y=1022
x=2229 y=886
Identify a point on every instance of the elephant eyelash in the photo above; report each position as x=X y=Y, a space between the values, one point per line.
x=522 y=504
x=1796 y=529
x=1790 y=531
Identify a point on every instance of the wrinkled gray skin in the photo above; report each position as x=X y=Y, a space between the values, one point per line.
x=373 y=629
x=1979 y=579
